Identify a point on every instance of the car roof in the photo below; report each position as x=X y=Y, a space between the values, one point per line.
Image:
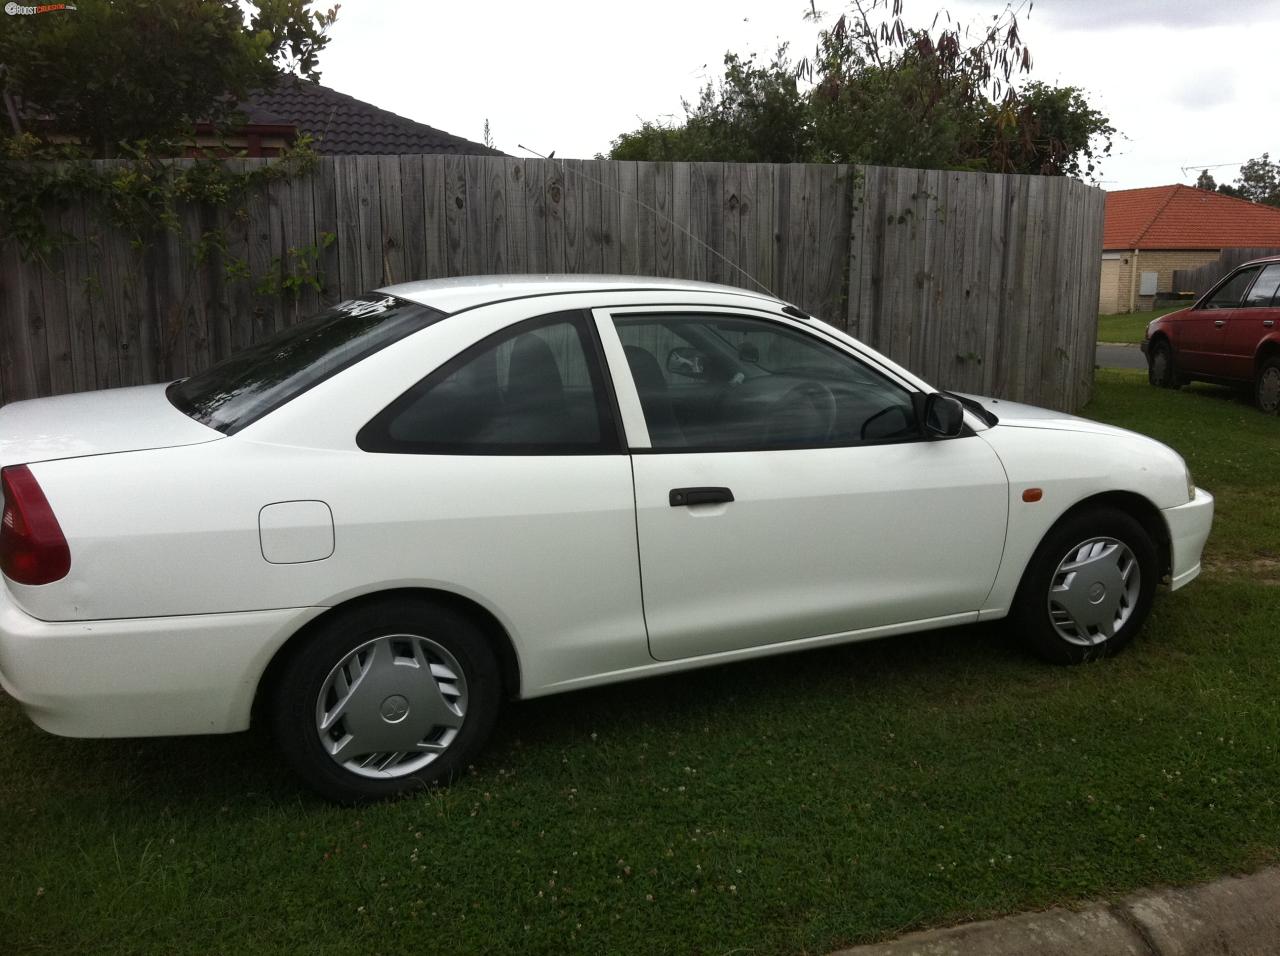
x=467 y=292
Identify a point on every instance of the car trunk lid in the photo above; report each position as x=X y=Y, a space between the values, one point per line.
x=95 y=423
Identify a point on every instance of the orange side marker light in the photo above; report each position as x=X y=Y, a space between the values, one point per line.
x=1033 y=494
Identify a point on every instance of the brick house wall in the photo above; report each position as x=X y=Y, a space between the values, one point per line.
x=1118 y=268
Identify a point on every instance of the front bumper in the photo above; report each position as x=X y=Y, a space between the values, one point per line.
x=146 y=677
x=1189 y=526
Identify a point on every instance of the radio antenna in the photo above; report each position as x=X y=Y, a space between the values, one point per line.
x=644 y=205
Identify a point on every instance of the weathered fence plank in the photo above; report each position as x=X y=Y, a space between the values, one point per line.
x=80 y=298
x=324 y=195
x=655 y=220
x=764 y=268
x=535 y=225
x=1200 y=279
x=656 y=225
x=626 y=215
x=512 y=172
x=53 y=295
x=413 y=218
x=474 y=234
x=391 y=218
x=976 y=281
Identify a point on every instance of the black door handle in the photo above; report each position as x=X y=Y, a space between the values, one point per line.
x=681 y=497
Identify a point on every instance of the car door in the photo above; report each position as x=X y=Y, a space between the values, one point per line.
x=501 y=475
x=782 y=489
x=1255 y=319
x=1203 y=346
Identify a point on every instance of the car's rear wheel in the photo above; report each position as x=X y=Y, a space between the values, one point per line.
x=1088 y=588
x=386 y=698
x=1266 y=391
x=1161 y=371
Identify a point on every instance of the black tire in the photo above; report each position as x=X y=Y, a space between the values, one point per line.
x=400 y=627
x=1161 y=370
x=1266 y=387
x=1031 y=617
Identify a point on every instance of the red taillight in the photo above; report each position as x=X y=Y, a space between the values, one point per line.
x=33 y=549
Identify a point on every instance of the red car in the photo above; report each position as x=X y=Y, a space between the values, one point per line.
x=1231 y=336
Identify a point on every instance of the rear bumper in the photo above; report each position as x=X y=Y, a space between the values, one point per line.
x=145 y=677
x=1189 y=526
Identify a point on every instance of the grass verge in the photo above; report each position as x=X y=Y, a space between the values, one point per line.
x=791 y=805
x=1130 y=326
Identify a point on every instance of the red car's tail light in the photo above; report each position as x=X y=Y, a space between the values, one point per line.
x=33 y=549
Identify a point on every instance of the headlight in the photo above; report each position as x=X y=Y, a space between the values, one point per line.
x=1191 y=484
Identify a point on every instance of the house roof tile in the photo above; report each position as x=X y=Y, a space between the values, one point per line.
x=1183 y=217
x=339 y=123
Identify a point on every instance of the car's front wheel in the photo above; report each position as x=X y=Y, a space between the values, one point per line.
x=1266 y=391
x=1088 y=588
x=386 y=698
x=1161 y=371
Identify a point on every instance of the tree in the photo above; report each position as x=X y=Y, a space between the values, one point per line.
x=1259 y=181
x=757 y=114
x=113 y=72
x=888 y=94
x=1046 y=131
x=1206 y=182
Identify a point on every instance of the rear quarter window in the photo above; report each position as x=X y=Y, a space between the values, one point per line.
x=244 y=387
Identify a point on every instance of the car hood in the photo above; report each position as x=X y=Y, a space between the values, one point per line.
x=95 y=423
x=1017 y=415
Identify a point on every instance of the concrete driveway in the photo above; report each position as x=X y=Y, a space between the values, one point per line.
x=1120 y=356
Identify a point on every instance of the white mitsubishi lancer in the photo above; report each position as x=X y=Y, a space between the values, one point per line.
x=372 y=529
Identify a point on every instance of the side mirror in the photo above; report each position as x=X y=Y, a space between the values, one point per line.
x=943 y=416
x=686 y=361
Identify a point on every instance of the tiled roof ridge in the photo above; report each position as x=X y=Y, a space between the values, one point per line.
x=1248 y=202
x=1173 y=191
x=371 y=108
x=1180 y=216
x=313 y=107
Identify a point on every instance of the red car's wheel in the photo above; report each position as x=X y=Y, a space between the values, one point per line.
x=1161 y=371
x=1266 y=391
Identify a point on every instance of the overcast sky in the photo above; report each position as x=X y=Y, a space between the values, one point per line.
x=1188 y=83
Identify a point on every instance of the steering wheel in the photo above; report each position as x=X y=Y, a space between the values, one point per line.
x=805 y=413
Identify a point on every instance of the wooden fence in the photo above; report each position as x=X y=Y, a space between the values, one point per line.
x=976 y=281
x=1200 y=279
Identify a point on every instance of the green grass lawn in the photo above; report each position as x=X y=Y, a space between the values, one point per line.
x=1129 y=326
x=789 y=805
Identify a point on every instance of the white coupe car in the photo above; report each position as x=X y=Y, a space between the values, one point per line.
x=373 y=528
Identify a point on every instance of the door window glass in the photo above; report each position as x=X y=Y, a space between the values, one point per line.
x=1263 y=293
x=727 y=383
x=1230 y=293
x=530 y=389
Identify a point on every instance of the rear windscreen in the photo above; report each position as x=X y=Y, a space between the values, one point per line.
x=242 y=388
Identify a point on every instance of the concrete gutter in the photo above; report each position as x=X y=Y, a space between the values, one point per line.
x=1237 y=916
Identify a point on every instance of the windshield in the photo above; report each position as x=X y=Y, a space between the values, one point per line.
x=242 y=388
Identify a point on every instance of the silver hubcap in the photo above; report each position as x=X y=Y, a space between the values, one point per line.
x=1094 y=591
x=1269 y=389
x=391 y=706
